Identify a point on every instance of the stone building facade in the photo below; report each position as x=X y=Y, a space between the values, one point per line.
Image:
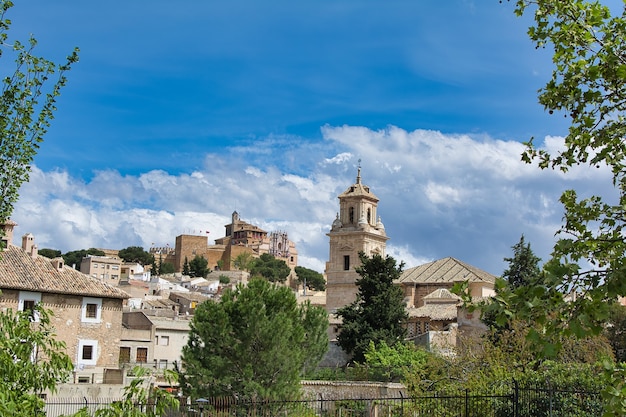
x=240 y=237
x=87 y=312
x=105 y=268
x=357 y=228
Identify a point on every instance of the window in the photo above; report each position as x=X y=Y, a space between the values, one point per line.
x=29 y=306
x=115 y=267
x=87 y=352
x=369 y=215
x=91 y=310
x=164 y=341
x=124 y=354
x=163 y=364
x=346 y=262
x=351 y=211
x=84 y=380
x=426 y=326
x=27 y=302
x=142 y=355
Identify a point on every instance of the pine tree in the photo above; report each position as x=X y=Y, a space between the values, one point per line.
x=186 y=269
x=523 y=266
x=378 y=314
x=254 y=343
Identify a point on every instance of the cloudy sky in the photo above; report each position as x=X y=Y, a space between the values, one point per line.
x=179 y=113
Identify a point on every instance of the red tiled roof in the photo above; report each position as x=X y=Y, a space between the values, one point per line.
x=19 y=271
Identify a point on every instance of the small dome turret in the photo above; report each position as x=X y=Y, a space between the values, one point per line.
x=337 y=223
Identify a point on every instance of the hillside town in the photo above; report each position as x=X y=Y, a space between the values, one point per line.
x=113 y=315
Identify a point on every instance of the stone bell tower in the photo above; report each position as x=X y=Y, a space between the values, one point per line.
x=357 y=228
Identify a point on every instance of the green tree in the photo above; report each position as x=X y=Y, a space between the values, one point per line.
x=270 y=268
x=378 y=314
x=198 y=267
x=615 y=331
x=523 y=271
x=31 y=361
x=523 y=266
x=136 y=254
x=74 y=258
x=254 y=343
x=393 y=363
x=312 y=279
x=588 y=86
x=27 y=105
x=49 y=253
x=154 y=269
x=141 y=398
x=167 y=268
x=244 y=261
x=186 y=269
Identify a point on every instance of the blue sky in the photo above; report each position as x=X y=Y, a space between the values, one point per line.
x=179 y=113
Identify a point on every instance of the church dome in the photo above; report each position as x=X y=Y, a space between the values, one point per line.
x=337 y=223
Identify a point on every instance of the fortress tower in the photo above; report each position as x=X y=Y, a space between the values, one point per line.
x=357 y=228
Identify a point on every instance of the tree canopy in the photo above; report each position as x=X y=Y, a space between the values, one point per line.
x=198 y=267
x=588 y=86
x=244 y=261
x=136 y=254
x=523 y=267
x=166 y=268
x=75 y=258
x=254 y=343
x=312 y=279
x=49 y=253
x=27 y=105
x=270 y=268
x=24 y=379
x=186 y=268
x=523 y=271
x=378 y=314
x=585 y=275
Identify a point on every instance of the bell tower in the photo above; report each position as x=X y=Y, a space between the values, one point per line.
x=357 y=228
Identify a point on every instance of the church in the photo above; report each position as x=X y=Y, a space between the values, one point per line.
x=435 y=315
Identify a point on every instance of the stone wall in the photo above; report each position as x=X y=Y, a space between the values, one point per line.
x=338 y=390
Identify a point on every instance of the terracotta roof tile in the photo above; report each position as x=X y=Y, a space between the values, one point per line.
x=19 y=271
x=434 y=312
x=446 y=270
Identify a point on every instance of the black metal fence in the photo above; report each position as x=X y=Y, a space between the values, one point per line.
x=520 y=401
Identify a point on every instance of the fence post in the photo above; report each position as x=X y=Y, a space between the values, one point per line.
x=515 y=398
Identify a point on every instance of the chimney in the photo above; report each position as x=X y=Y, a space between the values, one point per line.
x=28 y=244
x=6 y=232
x=57 y=263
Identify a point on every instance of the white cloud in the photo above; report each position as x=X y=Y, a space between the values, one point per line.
x=440 y=195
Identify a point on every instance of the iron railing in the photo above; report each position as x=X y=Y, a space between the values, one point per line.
x=520 y=401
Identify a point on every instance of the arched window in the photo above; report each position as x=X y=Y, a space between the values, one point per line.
x=369 y=215
x=351 y=214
